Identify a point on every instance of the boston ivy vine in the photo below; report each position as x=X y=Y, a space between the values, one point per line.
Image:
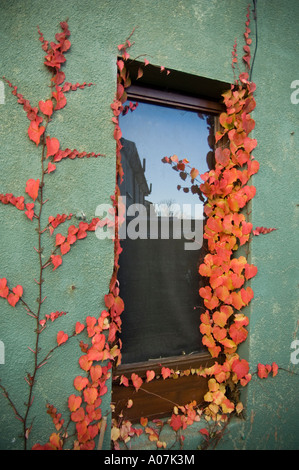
x=84 y=409
x=227 y=192
x=223 y=325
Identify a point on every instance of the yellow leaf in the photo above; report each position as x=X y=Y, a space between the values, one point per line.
x=239 y=407
x=115 y=433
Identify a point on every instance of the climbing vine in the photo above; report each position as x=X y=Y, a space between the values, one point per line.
x=95 y=358
x=223 y=325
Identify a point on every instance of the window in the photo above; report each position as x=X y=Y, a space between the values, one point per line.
x=162 y=241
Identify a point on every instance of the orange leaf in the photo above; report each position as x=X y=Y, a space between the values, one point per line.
x=90 y=395
x=194 y=173
x=143 y=421
x=74 y=402
x=85 y=363
x=78 y=415
x=247 y=294
x=220 y=318
x=55 y=441
x=80 y=382
x=96 y=372
x=227 y=406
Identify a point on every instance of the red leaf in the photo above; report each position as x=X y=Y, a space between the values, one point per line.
x=124 y=381
x=46 y=107
x=79 y=327
x=4 y=291
x=222 y=156
x=109 y=300
x=59 y=97
x=59 y=239
x=150 y=374
x=30 y=211
x=262 y=230
x=204 y=432
x=35 y=132
x=240 y=367
x=263 y=370
x=250 y=271
x=32 y=187
x=137 y=381
x=61 y=337
x=56 y=260
x=175 y=422
x=18 y=290
x=58 y=78
x=166 y=372
x=13 y=299
x=65 y=248
x=51 y=167
x=274 y=369
x=238 y=335
x=52 y=146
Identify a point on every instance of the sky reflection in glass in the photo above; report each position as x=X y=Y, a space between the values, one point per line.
x=160 y=131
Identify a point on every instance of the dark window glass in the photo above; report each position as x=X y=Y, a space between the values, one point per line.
x=162 y=237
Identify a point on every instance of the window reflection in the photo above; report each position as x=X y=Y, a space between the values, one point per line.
x=158 y=276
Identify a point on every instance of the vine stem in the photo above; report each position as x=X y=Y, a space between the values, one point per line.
x=37 y=364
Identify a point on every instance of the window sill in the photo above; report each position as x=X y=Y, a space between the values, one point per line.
x=157 y=398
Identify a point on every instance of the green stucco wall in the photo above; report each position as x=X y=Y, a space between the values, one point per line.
x=196 y=37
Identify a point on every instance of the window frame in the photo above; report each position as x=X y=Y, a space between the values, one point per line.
x=157 y=398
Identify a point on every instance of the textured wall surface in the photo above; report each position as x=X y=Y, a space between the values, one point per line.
x=193 y=36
